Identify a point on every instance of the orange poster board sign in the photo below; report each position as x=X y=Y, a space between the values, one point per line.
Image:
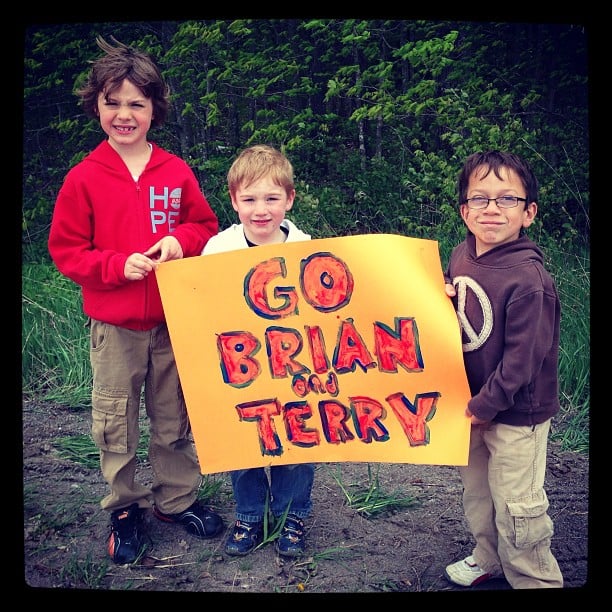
x=328 y=350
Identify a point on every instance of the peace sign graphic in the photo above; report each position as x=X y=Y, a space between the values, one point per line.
x=462 y=285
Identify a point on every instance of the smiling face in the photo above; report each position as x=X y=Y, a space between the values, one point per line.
x=492 y=225
x=125 y=116
x=261 y=207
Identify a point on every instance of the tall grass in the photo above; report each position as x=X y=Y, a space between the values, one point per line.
x=573 y=279
x=55 y=341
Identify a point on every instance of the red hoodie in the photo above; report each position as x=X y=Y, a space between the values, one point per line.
x=102 y=216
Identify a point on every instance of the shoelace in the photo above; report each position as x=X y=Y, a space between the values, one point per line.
x=241 y=531
x=125 y=524
x=294 y=526
x=243 y=526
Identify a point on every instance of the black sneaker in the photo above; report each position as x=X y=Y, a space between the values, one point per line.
x=197 y=520
x=124 y=542
x=244 y=538
x=291 y=541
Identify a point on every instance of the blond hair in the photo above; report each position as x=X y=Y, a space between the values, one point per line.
x=256 y=162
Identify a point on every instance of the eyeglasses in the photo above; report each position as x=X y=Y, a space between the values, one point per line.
x=479 y=202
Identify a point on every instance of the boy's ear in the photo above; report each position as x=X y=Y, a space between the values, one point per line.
x=290 y=198
x=531 y=210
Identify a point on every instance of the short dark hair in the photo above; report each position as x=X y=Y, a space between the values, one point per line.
x=121 y=62
x=493 y=161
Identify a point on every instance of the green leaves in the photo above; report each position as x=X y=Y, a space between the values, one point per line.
x=336 y=94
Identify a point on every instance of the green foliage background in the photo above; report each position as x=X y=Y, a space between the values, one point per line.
x=376 y=115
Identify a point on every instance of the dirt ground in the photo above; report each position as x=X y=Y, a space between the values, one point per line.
x=65 y=530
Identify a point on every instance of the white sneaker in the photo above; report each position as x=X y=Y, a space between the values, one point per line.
x=466 y=573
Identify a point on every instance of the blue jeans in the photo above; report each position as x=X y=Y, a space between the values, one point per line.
x=289 y=487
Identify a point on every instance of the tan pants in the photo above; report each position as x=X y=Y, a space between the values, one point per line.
x=123 y=361
x=506 y=506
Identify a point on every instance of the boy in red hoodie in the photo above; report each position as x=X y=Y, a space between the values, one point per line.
x=126 y=207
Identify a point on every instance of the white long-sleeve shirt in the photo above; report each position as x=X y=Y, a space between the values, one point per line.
x=233 y=238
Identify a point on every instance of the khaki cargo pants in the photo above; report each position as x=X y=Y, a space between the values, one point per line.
x=506 y=506
x=123 y=362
